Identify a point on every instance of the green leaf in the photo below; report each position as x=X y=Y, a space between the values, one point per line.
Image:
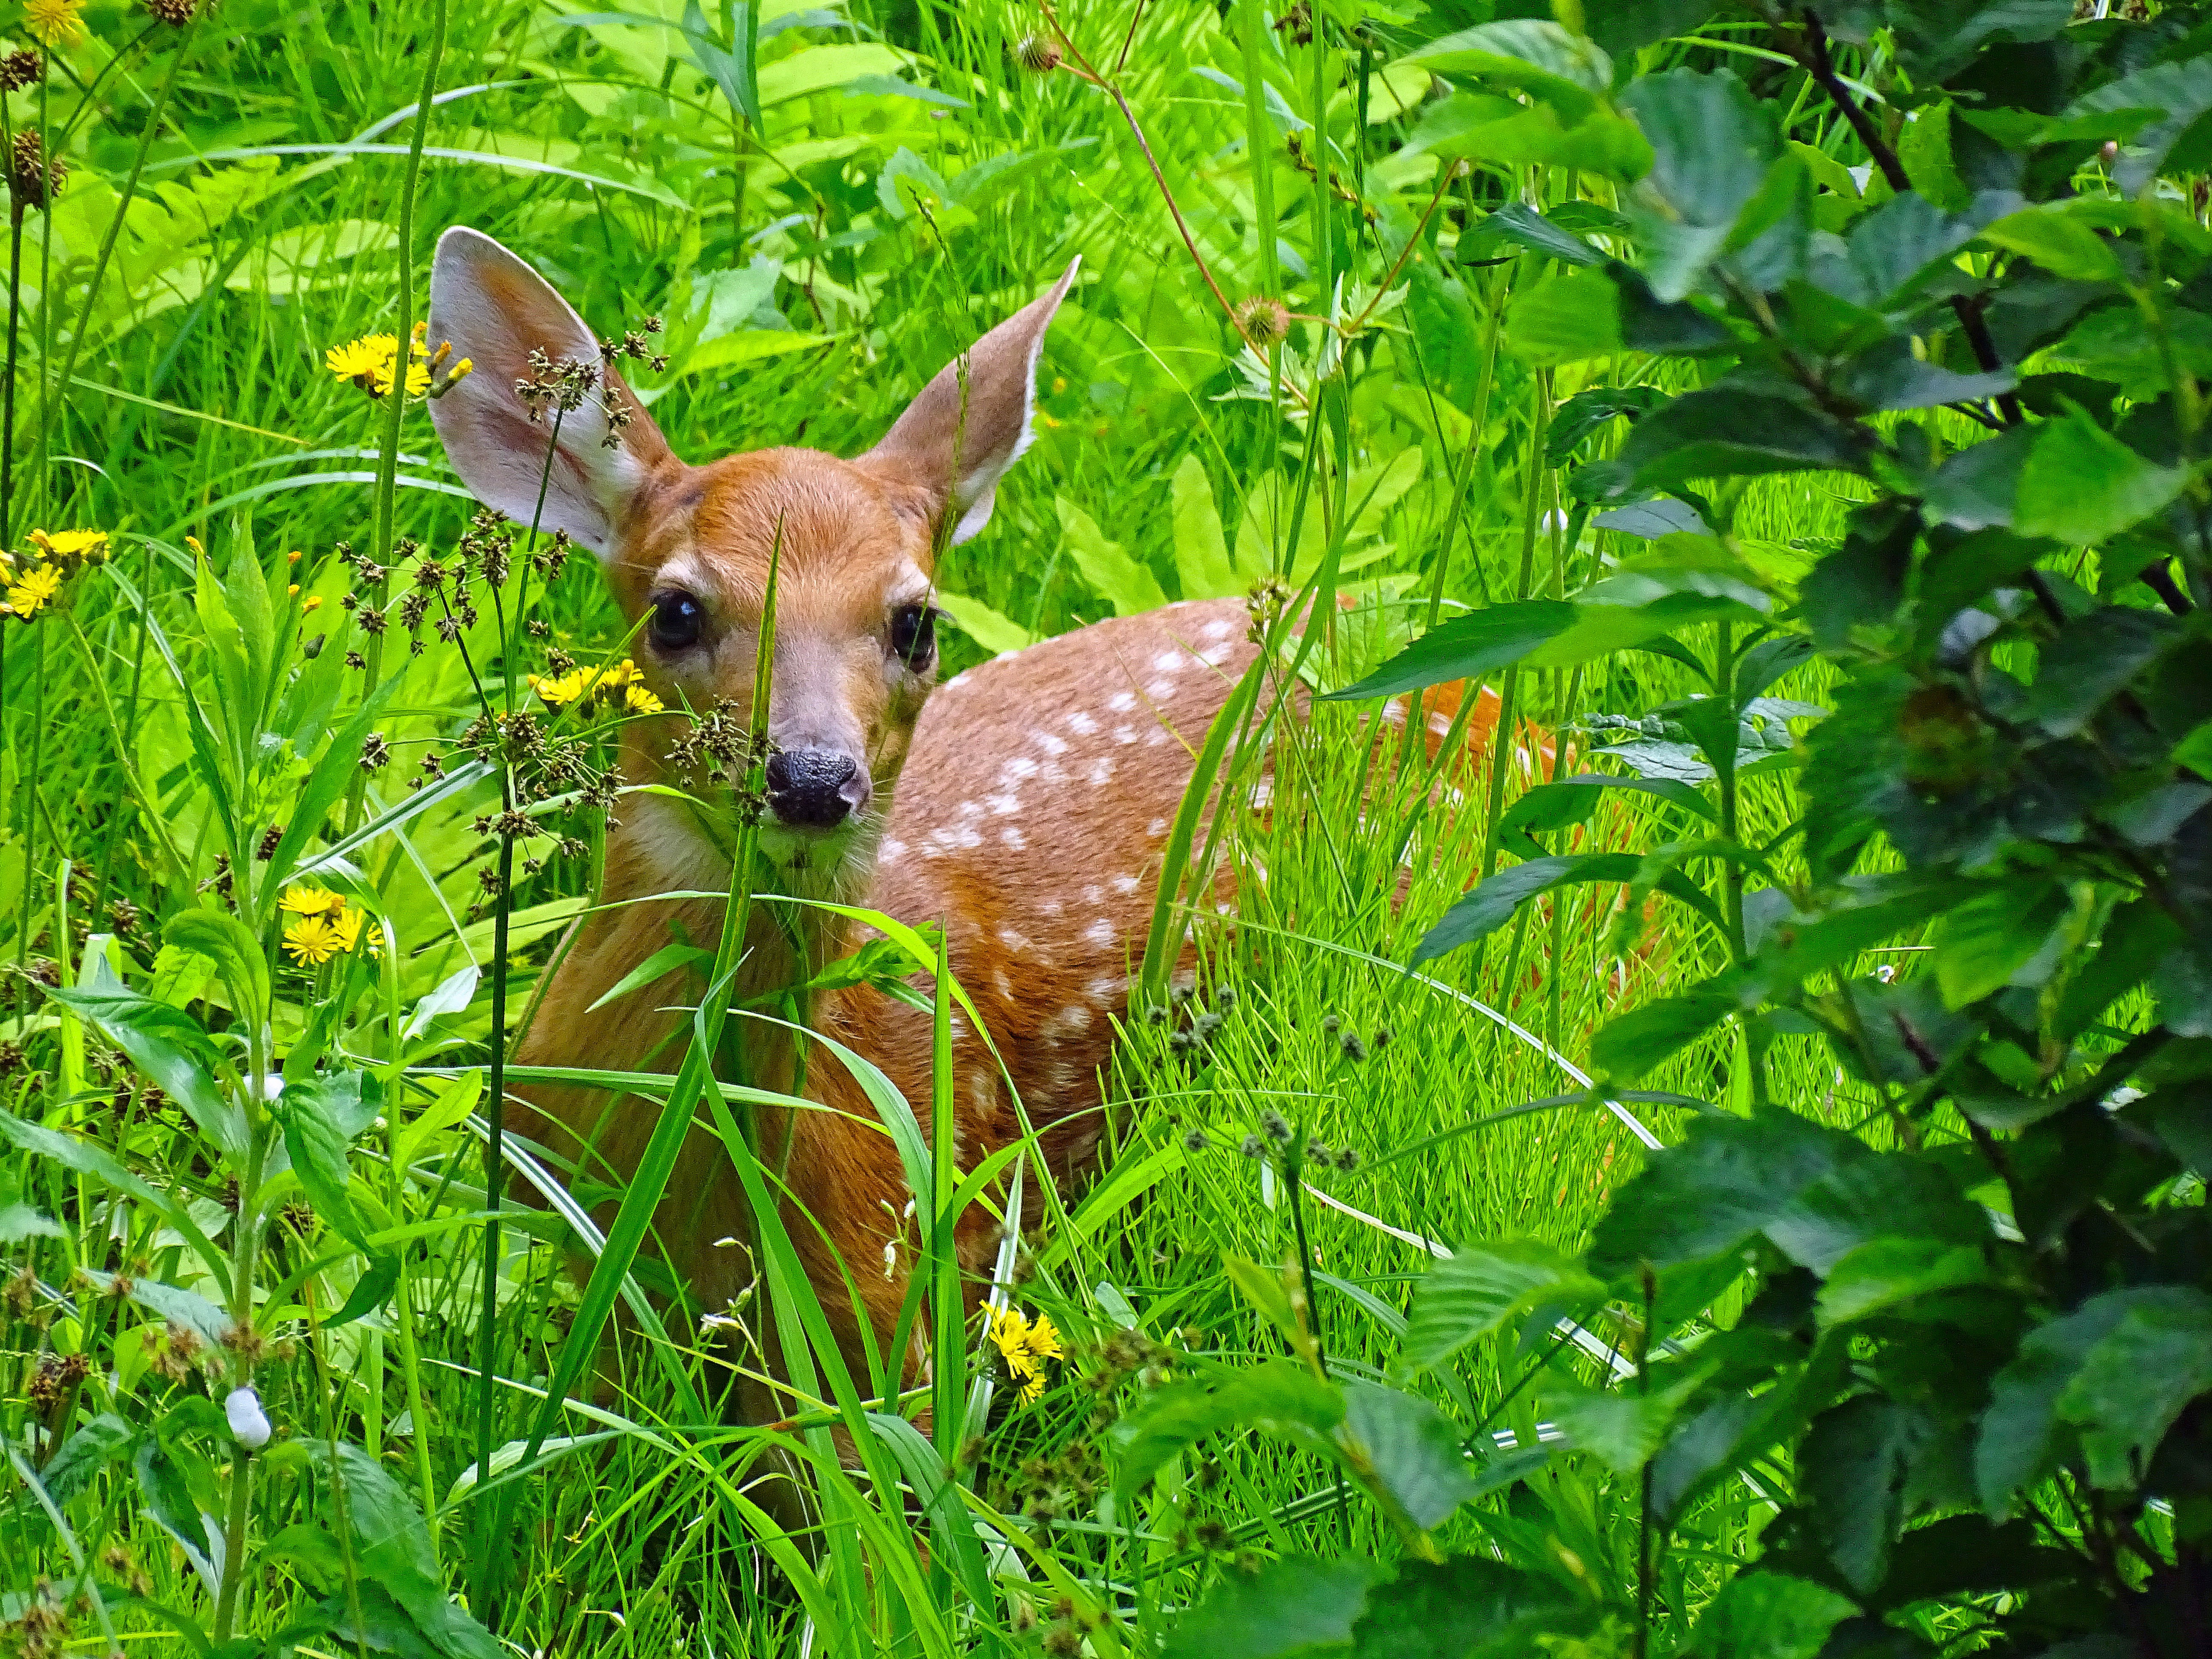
x=2137 y=1379
x=1726 y=1181
x=1279 y=1397
x=1981 y=943
x=1632 y=1044
x=735 y=69
x=2082 y=485
x=1898 y=1198
x=1203 y=569
x=1712 y=144
x=1727 y=431
x=2066 y=1383
x=92 y=1445
x=995 y=633
x=2176 y=95
x=1976 y=488
x=1465 y=647
x=2092 y=659
x=370 y=1291
x=1769 y=1615
x=333 y=773
x=1623 y=1432
x=1563 y=319
x=1524 y=226
x=393 y=1547
x=1884 y=1274
x=1466 y=1607
x=1851 y=1480
x=1466 y=1296
x=170 y=1047
x=317 y=1136
x=1415 y=1454
x=2059 y=240
x=168 y=1497
x=665 y=961
x=102 y=1165
x=1590 y=411
x=1538 y=57
x=230 y=944
x=1489 y=905
x=1123 y=582
x=1294 y=1606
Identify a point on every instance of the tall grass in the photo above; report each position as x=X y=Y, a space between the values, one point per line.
x=263 y=184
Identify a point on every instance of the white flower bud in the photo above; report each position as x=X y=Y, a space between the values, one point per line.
x=249 y=1424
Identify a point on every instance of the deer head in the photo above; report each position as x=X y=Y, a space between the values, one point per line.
x=687 y=549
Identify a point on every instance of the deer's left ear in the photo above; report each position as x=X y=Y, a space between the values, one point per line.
x=958 y=437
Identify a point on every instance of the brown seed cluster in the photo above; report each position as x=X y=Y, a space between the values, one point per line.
x=33 y=178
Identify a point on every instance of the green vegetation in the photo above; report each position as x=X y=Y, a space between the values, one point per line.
x=1798 y=413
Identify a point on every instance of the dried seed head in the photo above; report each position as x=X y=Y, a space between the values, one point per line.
x=175 y=13
x=33 y=178
x=18 y=69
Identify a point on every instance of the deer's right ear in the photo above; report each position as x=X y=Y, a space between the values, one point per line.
x=497 y=311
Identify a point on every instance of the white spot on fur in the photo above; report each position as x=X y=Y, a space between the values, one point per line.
x=1168 y=662
x=1157 y=828
x=1160 y=689
x=1021 y=766
x=1439 y=724
x=1126 y=883
x=1155 y=738
x=891 y=851
x=1219 y=628
x=1050 y=907
x=1013 y=939
x=1093 y=894
x=1051 y=744
x=1122 y=702
x=966 y=839
x=1101 y=770
x=1006 y=985
x=1125 y=734
x=958 y=680
x=1107 y=988
x=968 y=808
x=1004 y=806
x=1071 y=1021
x=1013 y=838
x=1081 y=723
x=1263 y=795
x=1101 y=931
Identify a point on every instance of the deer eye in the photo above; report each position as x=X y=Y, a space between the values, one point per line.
x=913 y=636
x=676 y=620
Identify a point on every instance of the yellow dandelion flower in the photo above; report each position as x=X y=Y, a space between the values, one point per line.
x=1033 y=1391
x=1010 y=1331
x=346 y=925
x=363 y=362
x=69 y=547
x=33 y=591
x=55 y=22
x=309 y=902
x=312 y=941
x=1044 y=1341
x=558 y=691
x=639 y=700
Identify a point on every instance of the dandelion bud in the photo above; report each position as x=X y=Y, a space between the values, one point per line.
x=1263 y=320
x=1038 y=53
x=249 y=1424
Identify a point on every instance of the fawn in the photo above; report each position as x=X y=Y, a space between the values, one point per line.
x=1024 y=805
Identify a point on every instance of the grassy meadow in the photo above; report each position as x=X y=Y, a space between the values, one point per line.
x=251 y=184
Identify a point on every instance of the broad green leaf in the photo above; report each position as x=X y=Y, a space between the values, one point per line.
x=995 y=633
x=2092 y=659
x=1883 y=1275
x=1727 y=431
x=1467 y=1296
x=1713 y=145
x=171 y=1048
x=168 y=1497
x=2082 y=484
x=1901 y=1197
x=1203 y=569
x=2137 y=1379
x=1489 y=905
x=1416 y=1455
x=316 y=1135
x=2175 y=95
x=1633 y=1043
x=1769 y=1615
x=1728 y=1179
x=1279 y=1397
x=2059 y=240
x=1537 y=57
x=1465 y=647
x=1294 y=1607
x=1622 y=1430
x=230 y=944
x=1466 y=1607
x=1563 y=319
x=1123 y=582
x=392 y=1546
x=1851 y=1475
x=1521 y=225
x=369 y=1293
x=92 y=1445
x=1981 y=943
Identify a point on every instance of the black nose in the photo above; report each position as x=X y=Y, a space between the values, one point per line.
x=808 y=786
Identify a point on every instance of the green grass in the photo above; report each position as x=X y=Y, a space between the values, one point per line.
x=205 y=410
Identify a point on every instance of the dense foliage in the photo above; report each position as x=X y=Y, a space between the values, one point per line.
x=1794 y=413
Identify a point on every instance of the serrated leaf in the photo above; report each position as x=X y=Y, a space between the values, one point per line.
x=1623 y=1432
x=1466 y=1607
x=1769 y=1615
x=1981 y=943
x=1415 y=1454
x=1295 y=1605
x=1465 y=647
x=1565 y=319
x=317 y=1136
x=1713 y=145
x=1279 y=1397
x=1466 y=1296
x=2081 y=485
